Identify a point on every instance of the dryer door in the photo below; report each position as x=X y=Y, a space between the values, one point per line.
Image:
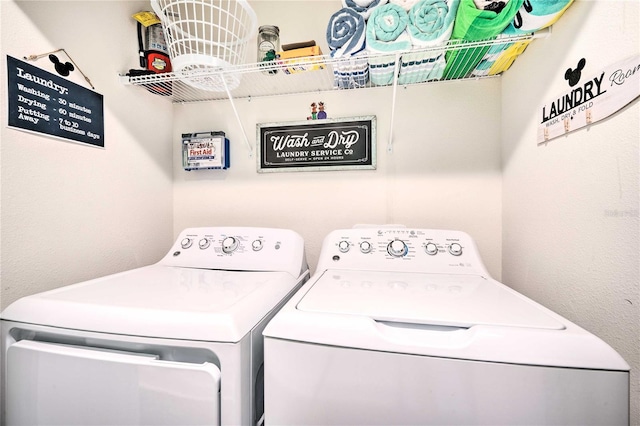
x=58 y=384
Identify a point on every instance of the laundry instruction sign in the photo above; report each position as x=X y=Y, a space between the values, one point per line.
x=328 y=144
x=590 y=98
x=42 y=102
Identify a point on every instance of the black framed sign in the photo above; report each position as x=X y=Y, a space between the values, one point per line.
x=328 y=144
x=42 y=102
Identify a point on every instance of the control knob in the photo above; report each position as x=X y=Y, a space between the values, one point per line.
x=204 y=243
x=343 y=246
x=365 y=247
x=256 y=245
x=186 y=243
x=397 y=248
x=431 y=249
x=229 y=244
x=455 y=249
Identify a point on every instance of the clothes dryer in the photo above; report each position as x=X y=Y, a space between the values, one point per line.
x=406 y=327
x=175 y=343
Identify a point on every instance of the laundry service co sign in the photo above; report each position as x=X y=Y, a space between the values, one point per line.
x=327 y=144
x=590 y=98
x=45 y=103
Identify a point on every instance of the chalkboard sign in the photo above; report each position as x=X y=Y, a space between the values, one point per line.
x=42 y=102
x=329 y=144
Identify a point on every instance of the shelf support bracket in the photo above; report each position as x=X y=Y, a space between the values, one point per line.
x=393 y=102
x=235 y=111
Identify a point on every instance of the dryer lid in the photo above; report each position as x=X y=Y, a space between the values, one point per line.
x=428 y=299
x=161 y=301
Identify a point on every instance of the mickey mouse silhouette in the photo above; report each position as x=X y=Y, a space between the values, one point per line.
x=62 y=69
x=573 y=76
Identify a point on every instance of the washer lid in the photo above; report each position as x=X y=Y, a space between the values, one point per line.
x=161 y=301
x=429 y=299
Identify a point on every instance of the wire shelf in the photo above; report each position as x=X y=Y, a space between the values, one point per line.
x=325 y=73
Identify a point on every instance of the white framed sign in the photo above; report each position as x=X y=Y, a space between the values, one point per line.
x=590 y=99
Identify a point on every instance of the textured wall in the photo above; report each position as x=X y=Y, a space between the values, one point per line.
x=71 y=212
x=571 y=223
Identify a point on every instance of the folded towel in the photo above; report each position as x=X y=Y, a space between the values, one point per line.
x=472 y=24
x=346 y=33
x=430 y=25
x=405 y=4
x=491 y=56
x=508 y=57
x=492 y=5
x=386 y=33
x=363 y=7
x=535 y=15
x=351 y=72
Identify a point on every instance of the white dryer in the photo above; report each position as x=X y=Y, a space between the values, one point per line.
x=405 y=326
x=175 y=343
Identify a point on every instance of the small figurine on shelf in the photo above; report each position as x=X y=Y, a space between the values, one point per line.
x=314 y=112
x=321 y=114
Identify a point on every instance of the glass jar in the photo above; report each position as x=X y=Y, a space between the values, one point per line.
x=268 y=45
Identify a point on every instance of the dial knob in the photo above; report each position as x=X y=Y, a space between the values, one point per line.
x=256 y=245
x=343 y=246
x=397 y=248
x=431 y=249
x=229 y=244
x=186 y=243
x=455 y=249
x=365 y=247
x=204 y=243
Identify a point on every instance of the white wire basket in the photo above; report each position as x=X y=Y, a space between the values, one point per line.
x=205 y=36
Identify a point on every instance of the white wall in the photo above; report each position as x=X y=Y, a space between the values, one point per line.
x=444 y=171
x=71 y=212
x=570 y=219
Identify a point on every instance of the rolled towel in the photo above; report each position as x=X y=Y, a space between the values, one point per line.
x=431 y=22
x=363 y=7
x=430 y=25
x=346 y=33
x=405 y=4
x=386 y=33
x=472 y=24
x=346 y=38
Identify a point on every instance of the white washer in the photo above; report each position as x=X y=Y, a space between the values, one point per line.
x=175 y=343
x=405 y=326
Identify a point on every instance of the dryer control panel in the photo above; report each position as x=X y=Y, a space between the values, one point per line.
x=401 y=249
x=239 y=248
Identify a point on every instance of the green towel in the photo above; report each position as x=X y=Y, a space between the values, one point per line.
x=472 y=24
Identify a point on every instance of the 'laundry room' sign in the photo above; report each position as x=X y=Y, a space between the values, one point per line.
x=591 y=98
x=331 y=144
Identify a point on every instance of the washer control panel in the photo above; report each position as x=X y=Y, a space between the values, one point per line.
x=238 y=248
x=401 y=249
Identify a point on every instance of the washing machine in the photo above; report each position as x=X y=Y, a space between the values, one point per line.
x=174 y=343
x=402 y=326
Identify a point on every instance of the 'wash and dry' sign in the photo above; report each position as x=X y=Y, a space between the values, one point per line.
x=329 y=144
